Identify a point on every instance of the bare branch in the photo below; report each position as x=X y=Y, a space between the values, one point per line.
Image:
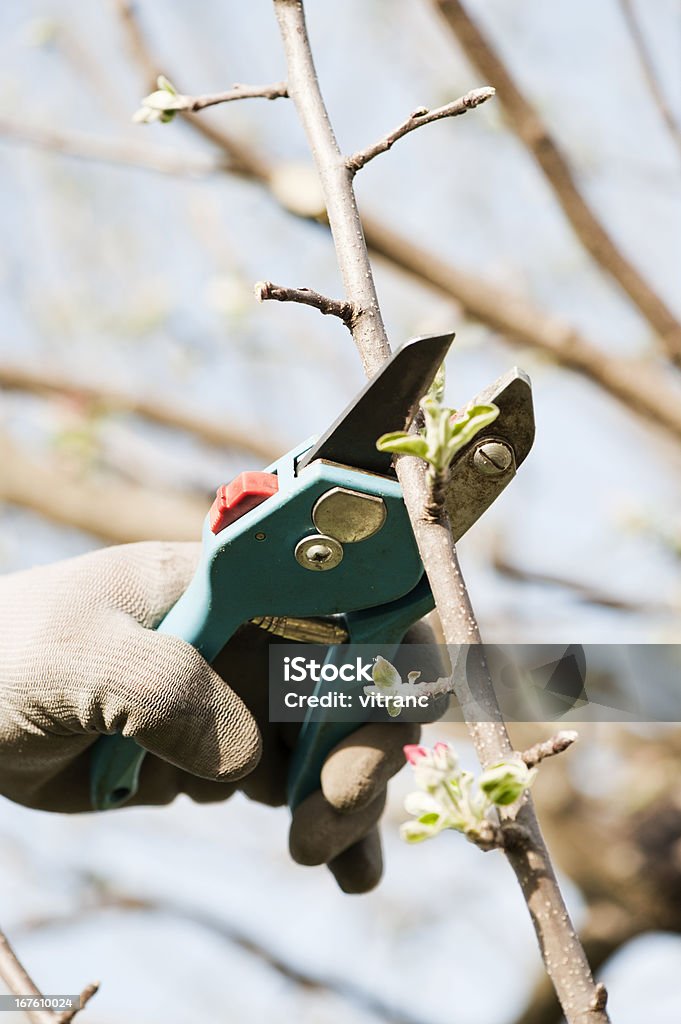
x=637 y=385
x=649 y=73
x=560 y=947
x=110 y=151
x=102 y=400
x=549 y=748
x=534 y=133
x=417 y=119
x=345 y=311
x=278 y=90
x=368 y=330
x=85 y=996
x=20 y=983
x=582 y=591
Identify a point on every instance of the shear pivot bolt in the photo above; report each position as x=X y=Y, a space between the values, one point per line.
x=493 y=458
x=318 y=553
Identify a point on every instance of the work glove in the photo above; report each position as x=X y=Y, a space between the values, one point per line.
x=79 y=657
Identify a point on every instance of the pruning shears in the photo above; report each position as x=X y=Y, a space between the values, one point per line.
x=322 y=536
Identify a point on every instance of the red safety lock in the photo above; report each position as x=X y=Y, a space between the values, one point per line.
x=245 y=492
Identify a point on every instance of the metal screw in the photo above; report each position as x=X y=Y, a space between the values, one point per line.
x=493 y=458
x=319 y=552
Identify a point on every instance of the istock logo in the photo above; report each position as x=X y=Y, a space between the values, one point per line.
x=299 y=669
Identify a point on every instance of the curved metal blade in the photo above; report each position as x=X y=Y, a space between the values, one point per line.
x=388 y=402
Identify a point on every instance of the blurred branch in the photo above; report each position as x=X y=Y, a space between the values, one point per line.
x=640 y=387
x=104 y=400
x=20 y=983
x=105 y=507
x=345 y=311
x=527 y=124
x=108 y=151
x=417 y=119
x=649 y=73
x=227 y=932
x=583 y=591
x=583 y=1002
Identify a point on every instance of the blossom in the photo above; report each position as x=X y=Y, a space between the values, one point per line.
x=161 y=105
x=451 y=798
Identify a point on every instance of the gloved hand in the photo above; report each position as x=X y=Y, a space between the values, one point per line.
x=79 y=657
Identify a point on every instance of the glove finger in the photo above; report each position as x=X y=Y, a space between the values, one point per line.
x=180 y=709
x=359 y=868
x=319 y=833
x=359 y=767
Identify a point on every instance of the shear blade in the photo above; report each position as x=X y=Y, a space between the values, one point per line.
x=470 y=492
x=388 y=402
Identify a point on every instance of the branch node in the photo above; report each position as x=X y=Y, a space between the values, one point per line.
x=600 y=998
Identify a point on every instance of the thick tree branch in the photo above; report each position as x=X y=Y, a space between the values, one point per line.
x=417 y=119
x=640 y=387
x=649 y=73
x=345 y=311
x=561 y=950
x=534 y=133
x=117 y=512
x=336 y=179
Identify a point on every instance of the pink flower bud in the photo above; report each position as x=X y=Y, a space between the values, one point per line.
x=414 y=753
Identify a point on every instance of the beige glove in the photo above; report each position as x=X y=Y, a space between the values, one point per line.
x=79 y=657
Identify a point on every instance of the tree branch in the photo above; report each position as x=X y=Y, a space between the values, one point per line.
x=345 y=311
x=109 y=151
x=20 y=983
x=638 y=386
x=549 y=748
x=417 y=119
x=649 y=73
x=526 y=122
x=278 y=90
x=103 y=506
x=102 y=400
x=561 y=950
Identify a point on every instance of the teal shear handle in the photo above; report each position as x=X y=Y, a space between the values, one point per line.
x=382 y=629
x=259 y=553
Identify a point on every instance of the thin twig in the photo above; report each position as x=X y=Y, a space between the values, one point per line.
x=649 y=73
x=276 y=91
x=560 y=947
x=640 y=387
x=20 y=983
x=549 y=748
x=345 y=311
x=417 y=119
x=528 y=125
x=85 y=996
